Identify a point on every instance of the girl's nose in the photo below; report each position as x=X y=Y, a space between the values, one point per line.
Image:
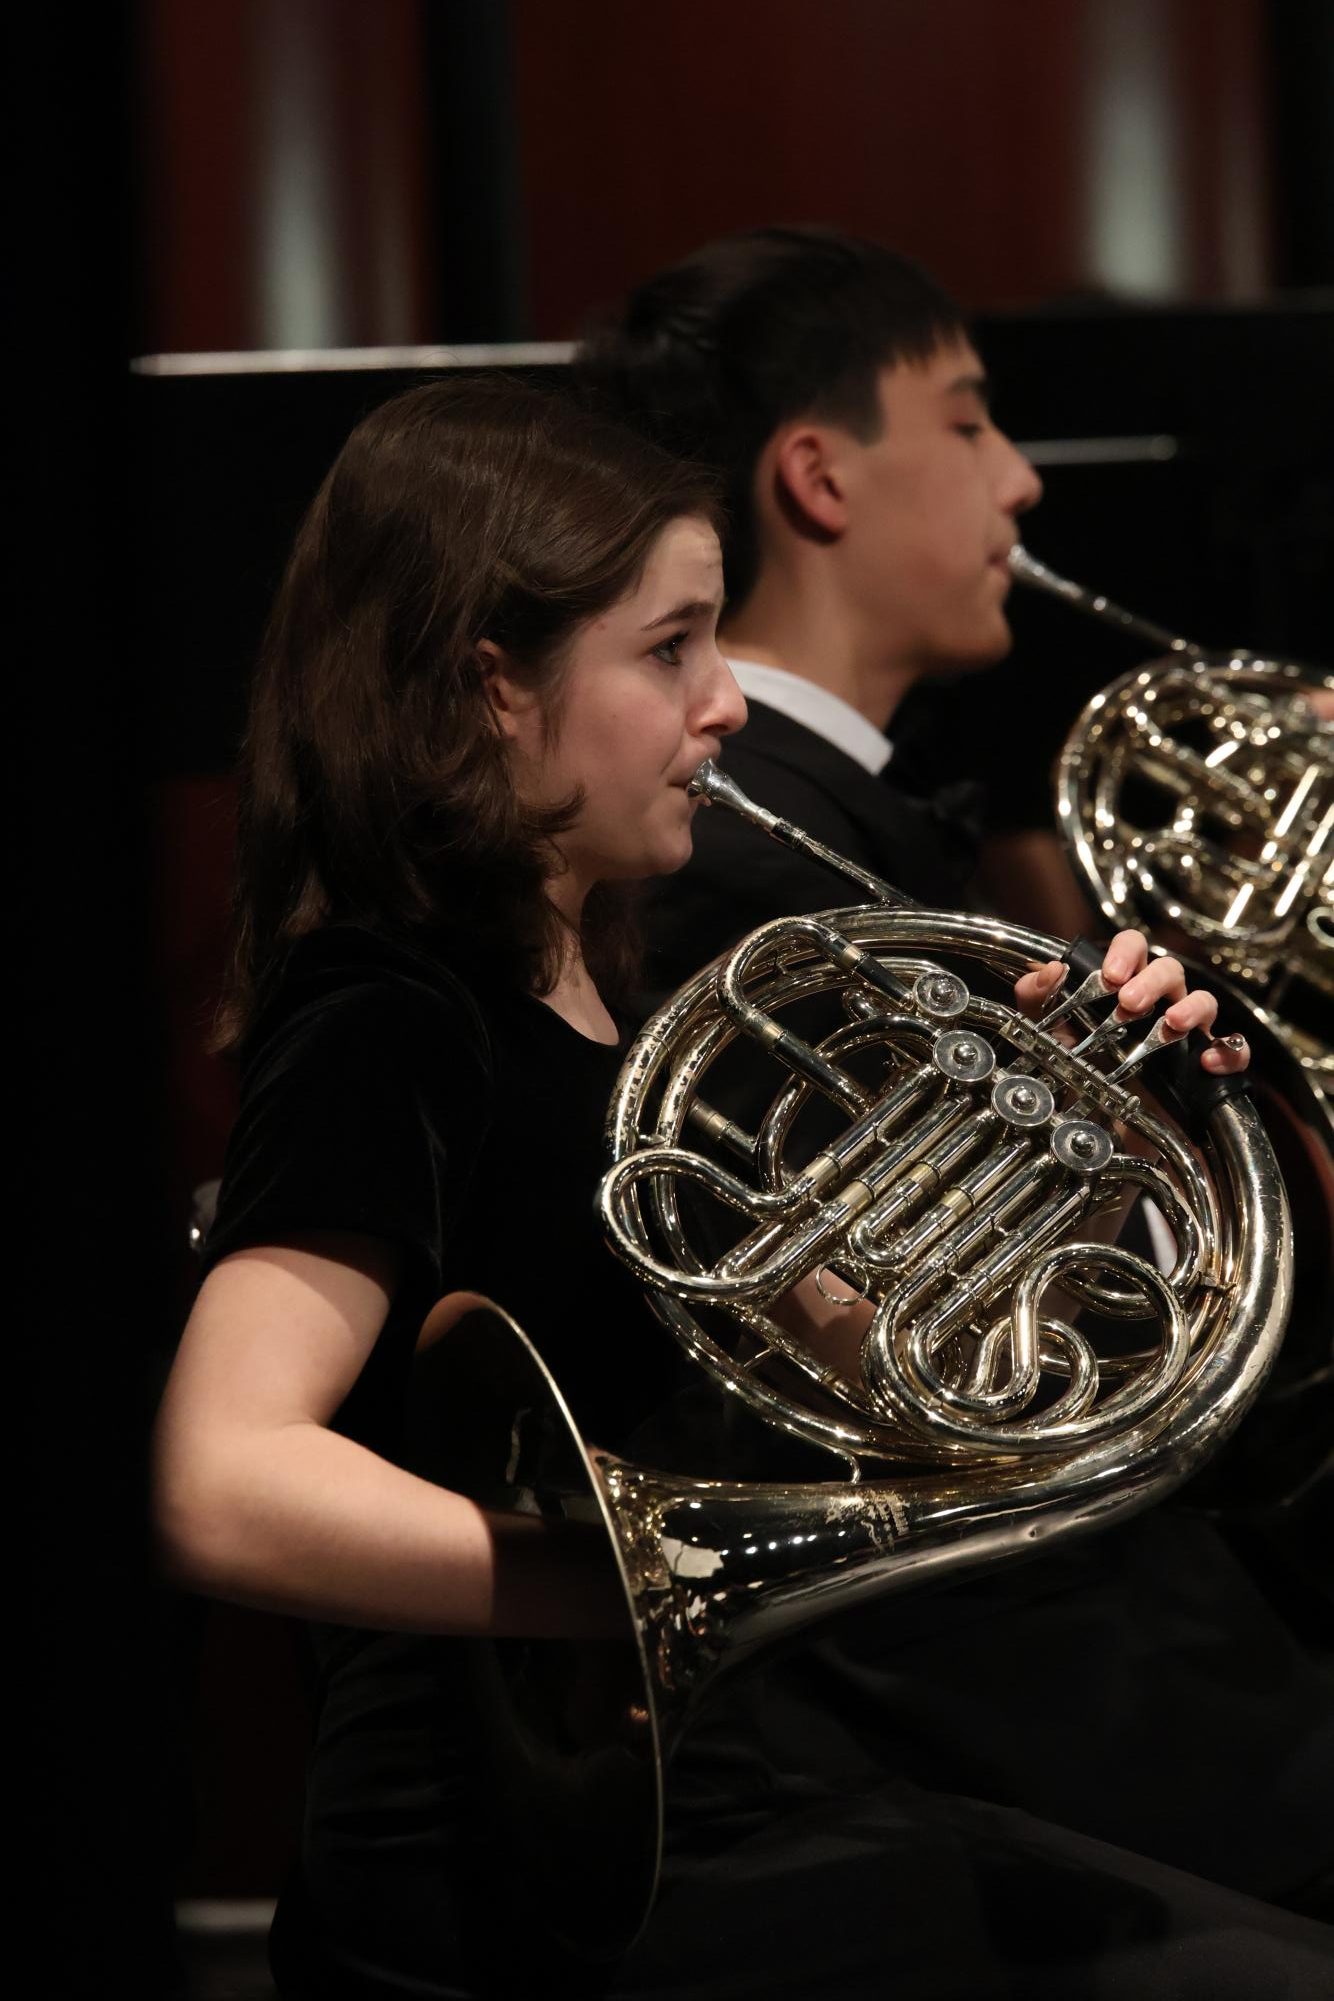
x=724 y=706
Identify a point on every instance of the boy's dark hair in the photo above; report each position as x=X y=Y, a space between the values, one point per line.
x=709 y=357
x=376 y=789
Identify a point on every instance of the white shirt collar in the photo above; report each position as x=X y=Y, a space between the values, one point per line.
x=818 y=708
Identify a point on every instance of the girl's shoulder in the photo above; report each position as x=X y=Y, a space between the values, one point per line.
x=346 y=982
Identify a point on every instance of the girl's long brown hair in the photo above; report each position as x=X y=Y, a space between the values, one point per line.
x=375 y=785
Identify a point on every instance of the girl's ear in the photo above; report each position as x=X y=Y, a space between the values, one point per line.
x=512 y=704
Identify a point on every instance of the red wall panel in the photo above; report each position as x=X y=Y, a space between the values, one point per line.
x=283 y=163
x=956 y=130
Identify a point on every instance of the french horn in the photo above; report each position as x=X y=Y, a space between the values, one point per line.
x=923 y=1146
x=1198 y=790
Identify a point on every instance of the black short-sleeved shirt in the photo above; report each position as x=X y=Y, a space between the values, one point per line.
x=384 y=1095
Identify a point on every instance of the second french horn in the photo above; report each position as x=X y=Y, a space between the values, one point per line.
x=1198 y=791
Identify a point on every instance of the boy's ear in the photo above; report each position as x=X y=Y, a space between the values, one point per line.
x=807 y=475
x=511 y=702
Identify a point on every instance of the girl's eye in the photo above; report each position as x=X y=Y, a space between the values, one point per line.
x=669 y=652
x=969 y=430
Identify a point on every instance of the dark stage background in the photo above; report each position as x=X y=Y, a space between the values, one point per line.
x=1136 y=197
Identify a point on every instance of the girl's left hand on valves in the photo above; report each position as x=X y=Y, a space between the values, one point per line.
x=1141 y=983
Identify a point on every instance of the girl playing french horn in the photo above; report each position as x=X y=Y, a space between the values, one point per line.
x=488 y=679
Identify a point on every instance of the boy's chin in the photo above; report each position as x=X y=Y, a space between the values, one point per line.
x=986 y=650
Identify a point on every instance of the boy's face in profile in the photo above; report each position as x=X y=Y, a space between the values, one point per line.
x=932 y=507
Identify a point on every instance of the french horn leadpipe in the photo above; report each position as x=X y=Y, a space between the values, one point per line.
x=918 y=1144
x=1026 y=569
x=1198 y=791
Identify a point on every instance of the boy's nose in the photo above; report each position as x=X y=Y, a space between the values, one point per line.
x=1021 y=487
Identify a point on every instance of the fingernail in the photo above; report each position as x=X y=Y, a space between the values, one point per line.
x=1118 y=965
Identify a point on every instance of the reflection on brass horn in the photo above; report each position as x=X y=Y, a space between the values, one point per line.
x=1199 y=791
x=973 y=1150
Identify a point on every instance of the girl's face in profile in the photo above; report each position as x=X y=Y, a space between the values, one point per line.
x=645 y=697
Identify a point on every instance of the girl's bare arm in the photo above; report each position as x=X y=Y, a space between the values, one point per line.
x=257 y=1500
